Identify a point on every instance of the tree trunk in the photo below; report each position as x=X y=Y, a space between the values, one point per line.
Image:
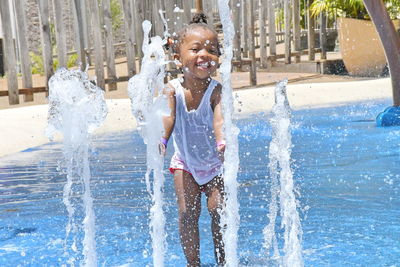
x=311 y=33
x=296 y=29
x=23 y=48
x=390 y=41
x=9 y=53
x=110 y=51
x=97 y=41
x=288 y=39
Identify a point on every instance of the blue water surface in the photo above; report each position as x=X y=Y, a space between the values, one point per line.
x=346 y=170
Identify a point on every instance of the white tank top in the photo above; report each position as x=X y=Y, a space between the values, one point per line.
x=194 y=139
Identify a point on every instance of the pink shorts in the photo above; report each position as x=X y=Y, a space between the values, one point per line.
x=178 y=164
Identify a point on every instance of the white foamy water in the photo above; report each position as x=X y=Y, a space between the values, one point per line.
x=149 y=105
x=76 y=108
x=283 y=197
x=230 y=214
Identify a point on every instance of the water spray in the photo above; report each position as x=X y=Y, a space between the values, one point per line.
x=149 y=105
x=283 y=198
x=76 y=108
x=230 y=213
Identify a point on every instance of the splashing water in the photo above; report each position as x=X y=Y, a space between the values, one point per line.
x=149 y=105
x=230 y=214
x=282 y=186
x=76 y=108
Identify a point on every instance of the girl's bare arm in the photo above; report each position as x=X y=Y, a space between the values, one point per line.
x=218 y=117
x=169 y=121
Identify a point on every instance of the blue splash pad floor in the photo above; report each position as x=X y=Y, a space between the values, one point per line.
x=346 y=170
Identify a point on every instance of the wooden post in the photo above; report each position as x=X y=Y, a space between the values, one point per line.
x=130 y=38
x=137 y=11
x=245 y=28
x=296 y=30
x=79 y=32
x=263 y=34
x=199 y=6
x=97 y=42
x=322 y=35
x=110 y=52
x=60 y=34
x=158 y=24
x=253 y=68
x=311 y=33
x=187 y=9
x=86 y=29
x=236 y=6
x=46 y=39
x=177 y=15
x=169 y=13
x=23 y=48
x=271 y=29
x=208 y=10
x=288 y=39
x=390 y=41
x=9 y=53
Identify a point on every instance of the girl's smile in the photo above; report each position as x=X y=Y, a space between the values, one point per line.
x=199 y=54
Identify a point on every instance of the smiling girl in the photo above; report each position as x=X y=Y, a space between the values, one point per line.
x=196 y=124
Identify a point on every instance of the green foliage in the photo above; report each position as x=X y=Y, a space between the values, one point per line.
x=350 y=8
x=340 y=8
x=72 y=60
x=280 y=18
x=37 y=62
x=116 y=14
x=393 y=8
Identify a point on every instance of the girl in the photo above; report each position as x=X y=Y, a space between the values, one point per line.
x=196 y=123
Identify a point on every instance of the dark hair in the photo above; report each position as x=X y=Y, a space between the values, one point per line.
x=198 y=20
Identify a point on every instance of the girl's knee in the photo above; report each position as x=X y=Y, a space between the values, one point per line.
x=214 y=212
x=189 y=217
x=215 y=204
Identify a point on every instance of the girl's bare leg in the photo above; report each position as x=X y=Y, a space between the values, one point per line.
x=189 y=206
x=215 y=196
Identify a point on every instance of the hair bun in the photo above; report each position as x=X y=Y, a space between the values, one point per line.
x=199 y=18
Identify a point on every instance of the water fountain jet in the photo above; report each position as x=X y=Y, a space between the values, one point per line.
x=283 y=198
x=76 y=108
x=149 y=105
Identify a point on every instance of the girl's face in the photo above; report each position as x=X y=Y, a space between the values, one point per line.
x=199 y=53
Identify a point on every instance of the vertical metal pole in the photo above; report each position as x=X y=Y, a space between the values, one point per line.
x=199 y=6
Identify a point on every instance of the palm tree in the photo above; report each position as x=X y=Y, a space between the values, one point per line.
x=391 y=43
x=350 y=8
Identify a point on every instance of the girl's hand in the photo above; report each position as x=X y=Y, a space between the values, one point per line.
x=221 y=149
x=162 y=146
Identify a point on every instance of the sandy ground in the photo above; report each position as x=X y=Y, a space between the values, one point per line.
x=23 y=126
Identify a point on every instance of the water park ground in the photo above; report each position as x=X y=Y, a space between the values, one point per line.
x=23 y=125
